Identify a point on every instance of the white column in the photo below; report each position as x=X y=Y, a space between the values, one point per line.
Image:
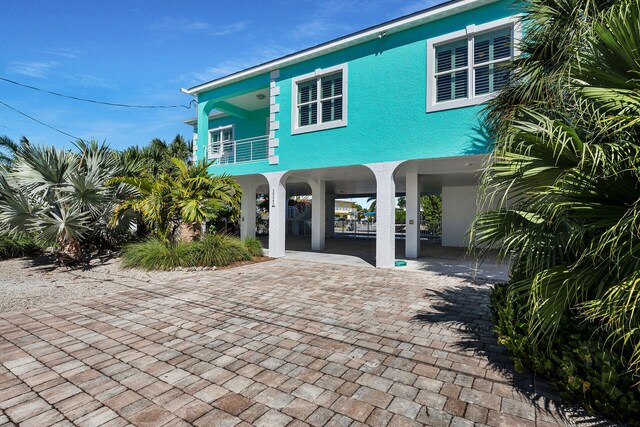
x=248 y=209
x=318 y=210
x=385 y=213
x=277 y=212
x=412 y=240
x=330 y=214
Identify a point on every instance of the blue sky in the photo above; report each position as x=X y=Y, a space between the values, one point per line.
x=143 y=52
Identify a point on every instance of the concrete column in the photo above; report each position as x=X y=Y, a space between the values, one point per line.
x=385 y=213
x=248 y=209
x=204 y=108
x=318 y=210
x=412 y=240
x=330 y=214
x=277 y=212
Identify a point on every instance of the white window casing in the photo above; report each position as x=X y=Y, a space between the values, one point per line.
x=472 y=80
x=317 y=98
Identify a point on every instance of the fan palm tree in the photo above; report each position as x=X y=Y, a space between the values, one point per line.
x=565 y=171
x=185 y=199
x=60 y=196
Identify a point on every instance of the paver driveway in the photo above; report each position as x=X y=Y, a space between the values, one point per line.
x=280 y=343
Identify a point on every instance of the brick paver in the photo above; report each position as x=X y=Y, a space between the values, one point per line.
x=281 y=343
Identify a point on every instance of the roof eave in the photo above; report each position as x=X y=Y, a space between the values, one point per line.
x=419 y=18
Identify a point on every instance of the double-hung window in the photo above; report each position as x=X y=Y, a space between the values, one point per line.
x=468 y=67
x=319 y=100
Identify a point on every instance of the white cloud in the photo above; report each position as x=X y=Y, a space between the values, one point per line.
x=227 y=29
x=224 y=68
x=182 y=25
x=36 y=69
x=65 y=52
x=92 y=81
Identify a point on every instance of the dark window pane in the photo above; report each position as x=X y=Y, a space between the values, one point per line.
x=332 y=110
x=331 y=85
x=307 y=92
x=502 y=47
x=308 y=114
x=443 y=88
x=482 y=80
x=481 y=51
x=462 y=56
x=461 y=85
x=500 y=76
x=443 y=59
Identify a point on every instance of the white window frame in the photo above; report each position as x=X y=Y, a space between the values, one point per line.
x=318 y=74
x=468 y=33
x=220 y=153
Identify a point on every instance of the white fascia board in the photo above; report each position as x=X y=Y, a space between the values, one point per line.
x=414 y=20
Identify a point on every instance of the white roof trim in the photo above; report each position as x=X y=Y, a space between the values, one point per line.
x=396 y=25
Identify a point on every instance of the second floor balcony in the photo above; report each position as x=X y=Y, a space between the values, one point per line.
x=228 y=152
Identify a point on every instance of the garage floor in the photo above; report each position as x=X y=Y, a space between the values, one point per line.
x=433 y=257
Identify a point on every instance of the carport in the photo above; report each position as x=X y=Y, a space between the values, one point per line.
x=455 y=178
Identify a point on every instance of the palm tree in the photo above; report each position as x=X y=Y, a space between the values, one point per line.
x=60 y=196
x=8 y=150
x=186 y=199
x=564 y=173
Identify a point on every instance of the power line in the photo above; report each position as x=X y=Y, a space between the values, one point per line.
x=38 y=121
x=112 y=104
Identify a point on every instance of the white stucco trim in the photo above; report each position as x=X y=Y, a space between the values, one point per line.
x=469 y=32
x=274 y=124
x=317 y=74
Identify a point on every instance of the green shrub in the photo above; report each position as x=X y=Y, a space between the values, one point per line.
x=212 y=251
x=219 y=250
x=577 y=361
x=153 y=254
x=254 y=247
x=11 y=247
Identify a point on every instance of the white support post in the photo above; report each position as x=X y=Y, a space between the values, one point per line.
x=385 y=213
x=318 y=210
x=248 y=210
x=330 y=214
x=412 y=240
x=277 y=213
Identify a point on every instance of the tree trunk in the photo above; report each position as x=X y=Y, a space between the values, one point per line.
x=70 y=250
x=190 y=232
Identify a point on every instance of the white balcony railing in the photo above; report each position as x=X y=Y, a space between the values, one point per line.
x=239 y=150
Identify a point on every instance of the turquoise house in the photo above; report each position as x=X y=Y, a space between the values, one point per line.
x=390 y=110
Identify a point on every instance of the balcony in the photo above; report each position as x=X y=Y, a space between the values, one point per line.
x=239 y=150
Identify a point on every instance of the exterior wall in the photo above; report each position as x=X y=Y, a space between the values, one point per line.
x=254 y=125
x=387 y=118
x=459 y=207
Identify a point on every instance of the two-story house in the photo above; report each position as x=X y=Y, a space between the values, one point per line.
x=390 y=110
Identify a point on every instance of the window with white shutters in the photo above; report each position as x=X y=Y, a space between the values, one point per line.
x=320 y=101
x=491 y=52
x=468 y=67
x=452 y=71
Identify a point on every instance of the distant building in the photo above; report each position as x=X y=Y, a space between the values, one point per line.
x=346 y=209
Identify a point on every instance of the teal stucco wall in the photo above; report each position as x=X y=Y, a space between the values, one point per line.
x=387 y=118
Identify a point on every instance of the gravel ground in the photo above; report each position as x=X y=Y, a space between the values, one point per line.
x=28 y=283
